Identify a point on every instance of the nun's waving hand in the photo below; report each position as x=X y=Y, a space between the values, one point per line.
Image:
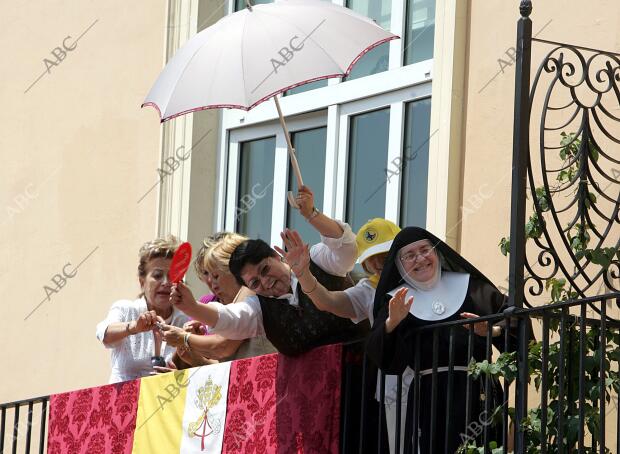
x=398 y=309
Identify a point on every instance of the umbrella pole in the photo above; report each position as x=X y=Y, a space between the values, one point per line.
x=291 y=153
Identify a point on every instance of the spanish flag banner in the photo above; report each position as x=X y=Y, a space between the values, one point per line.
x=269 y=404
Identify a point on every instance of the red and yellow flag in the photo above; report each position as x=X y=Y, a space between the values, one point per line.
x=269 y=404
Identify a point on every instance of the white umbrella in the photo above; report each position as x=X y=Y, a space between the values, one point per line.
x=254 y=54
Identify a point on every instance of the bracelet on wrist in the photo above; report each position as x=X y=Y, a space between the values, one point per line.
x=316 y=284
x=313 y=214
x=186 y=341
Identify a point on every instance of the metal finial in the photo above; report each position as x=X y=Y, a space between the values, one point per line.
x=525 y=7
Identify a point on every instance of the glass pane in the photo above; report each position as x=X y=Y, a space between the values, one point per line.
x=307 y=87
x=415 y=163
x=255 y=194
x=420 y=31
x=367 y=158
x=310 y=148
x=240 y=4
x=378 y=59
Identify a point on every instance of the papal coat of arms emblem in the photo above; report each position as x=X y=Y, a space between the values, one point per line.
x=207 y=397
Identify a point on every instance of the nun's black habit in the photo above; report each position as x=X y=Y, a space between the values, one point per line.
x=395 y=351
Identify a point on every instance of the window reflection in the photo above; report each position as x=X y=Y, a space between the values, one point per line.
x=255 y=195
x=366 y=178
x=420 y=31
x=377 y=60
x=307 y=87
x=414 y=186
x=310 y=148
x=240 y=4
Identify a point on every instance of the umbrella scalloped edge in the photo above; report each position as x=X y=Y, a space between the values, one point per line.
x=277 y=92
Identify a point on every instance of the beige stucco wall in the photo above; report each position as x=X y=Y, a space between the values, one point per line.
x=488 y=121
x=488 y=118
x=77 y=153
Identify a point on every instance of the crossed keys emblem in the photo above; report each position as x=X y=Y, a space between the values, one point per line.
x=207 y=397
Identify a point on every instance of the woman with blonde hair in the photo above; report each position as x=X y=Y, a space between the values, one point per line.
x=212 y=267
x=130 y=329
x=199 y=263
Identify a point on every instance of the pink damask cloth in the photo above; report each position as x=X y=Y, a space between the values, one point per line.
x=283 y=405
x=95 y=420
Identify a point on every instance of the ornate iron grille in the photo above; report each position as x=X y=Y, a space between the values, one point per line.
x=574 y=173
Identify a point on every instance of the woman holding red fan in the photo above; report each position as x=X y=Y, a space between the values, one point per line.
x=130 y=329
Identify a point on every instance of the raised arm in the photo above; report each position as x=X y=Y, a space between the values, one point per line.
x=337 y=251
x=326 y=226
x=181 y=296
x=297 y=255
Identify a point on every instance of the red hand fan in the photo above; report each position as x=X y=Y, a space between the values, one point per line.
x=180 y=263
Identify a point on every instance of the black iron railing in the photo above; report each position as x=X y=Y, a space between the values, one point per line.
x=571 y=161
x=23 y=426
x=572 y=373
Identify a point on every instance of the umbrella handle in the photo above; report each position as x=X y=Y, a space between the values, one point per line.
x=291 y=200
x=291 y=153
x=297 y=170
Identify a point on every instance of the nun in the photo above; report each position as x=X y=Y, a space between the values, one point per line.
x=426 y=282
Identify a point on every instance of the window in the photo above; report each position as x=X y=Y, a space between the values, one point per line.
x=347 y=135
x=378 y=59
x=255 y=195
x=310 y=148
x=420 y=31
x=307 y=87
x=415 y=163
x=240 y=4
x=368 y=139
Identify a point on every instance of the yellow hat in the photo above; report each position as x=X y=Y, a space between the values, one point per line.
x=375 y=237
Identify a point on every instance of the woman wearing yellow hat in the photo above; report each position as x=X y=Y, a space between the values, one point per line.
x=373 y=243
x=373 y=240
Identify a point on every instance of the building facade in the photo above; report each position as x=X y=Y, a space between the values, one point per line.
x=420 y=133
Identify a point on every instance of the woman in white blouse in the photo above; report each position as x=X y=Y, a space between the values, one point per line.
x=130 y=329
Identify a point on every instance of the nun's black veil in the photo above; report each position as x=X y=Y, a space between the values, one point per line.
x=394 y=351
x=452 y=261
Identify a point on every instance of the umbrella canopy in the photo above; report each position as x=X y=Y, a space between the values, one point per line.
x=254 y=54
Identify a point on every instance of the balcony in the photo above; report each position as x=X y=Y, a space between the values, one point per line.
x=287 y=404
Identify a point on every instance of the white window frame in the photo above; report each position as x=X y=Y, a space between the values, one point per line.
x=395 y=101
x=446 y=73
x=392 y=88
x=268 y=129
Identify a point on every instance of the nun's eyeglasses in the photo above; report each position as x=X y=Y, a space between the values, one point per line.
x=413 y=256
